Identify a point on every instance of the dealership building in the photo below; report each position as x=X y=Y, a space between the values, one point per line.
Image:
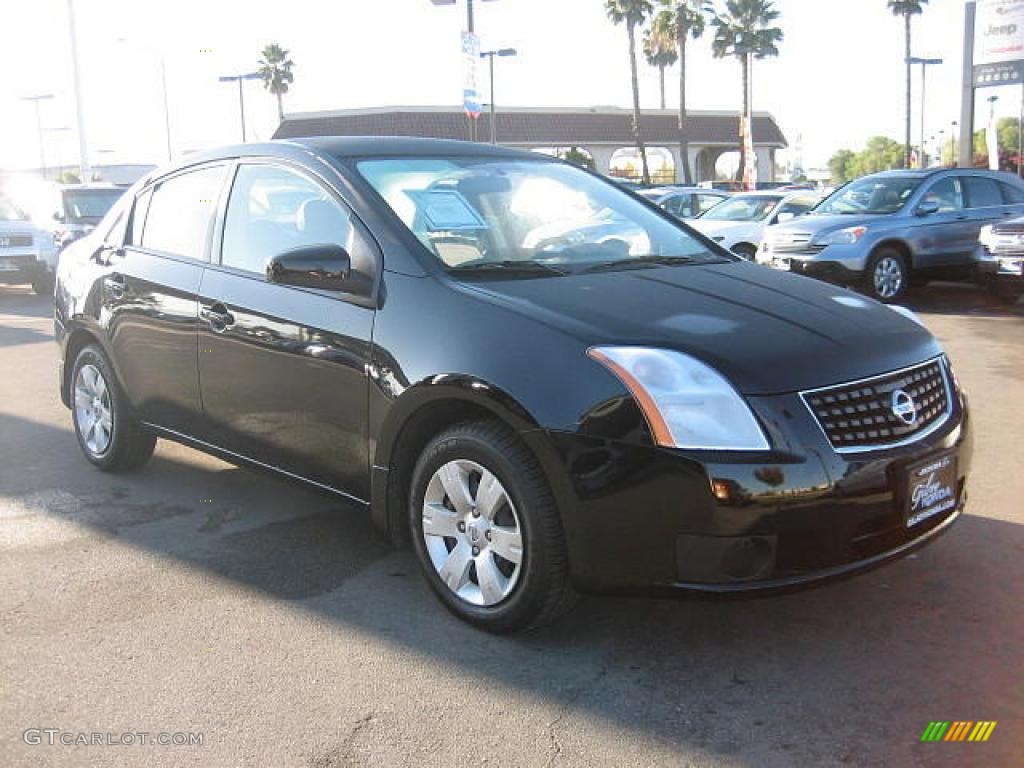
x=603 y=133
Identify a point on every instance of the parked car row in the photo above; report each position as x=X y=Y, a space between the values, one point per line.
x=29 y=250
x=889 y=231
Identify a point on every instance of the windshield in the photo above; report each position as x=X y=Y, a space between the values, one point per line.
x=10 y=212
x=743 y=208
x=89 y=204
x=494 y=211
x=871 y=195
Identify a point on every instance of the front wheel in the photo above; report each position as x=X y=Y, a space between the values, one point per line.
x=486 y=529
x=43 y=283
x=107 y=432
x=887 y=275
x=745 y=251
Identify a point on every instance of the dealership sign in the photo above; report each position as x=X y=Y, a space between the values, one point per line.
x=470 y=57
x=999 y=42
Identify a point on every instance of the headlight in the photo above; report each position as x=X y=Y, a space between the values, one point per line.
x=985 y=236
x=847 y=236
x=686 y=403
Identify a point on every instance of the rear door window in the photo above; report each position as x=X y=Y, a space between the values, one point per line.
x=982 y=192
x=181 y=213
x=1012 y=195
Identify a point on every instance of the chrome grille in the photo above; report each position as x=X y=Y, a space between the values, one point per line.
x=862 y=415
x=793 y=242
x=15 y=241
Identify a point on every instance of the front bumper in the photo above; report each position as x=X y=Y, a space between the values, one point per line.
x=18 y=268
x=1008 y=267
x=646 y=519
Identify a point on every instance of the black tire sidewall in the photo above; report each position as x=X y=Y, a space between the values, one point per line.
x=528 y=595
x=869 y=277
x=744 y=251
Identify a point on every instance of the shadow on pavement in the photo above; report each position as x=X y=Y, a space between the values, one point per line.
x=848 y=673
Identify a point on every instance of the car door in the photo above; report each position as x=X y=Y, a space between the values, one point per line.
x=947 y=235
x=150 y=295
x=283 y=370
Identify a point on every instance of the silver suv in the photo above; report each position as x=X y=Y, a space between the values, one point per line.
x=885 y=232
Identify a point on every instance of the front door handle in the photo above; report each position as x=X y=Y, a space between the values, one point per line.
x=115 y=284
x=218 y=317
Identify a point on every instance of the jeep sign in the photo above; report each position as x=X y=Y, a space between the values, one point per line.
x=999 y=42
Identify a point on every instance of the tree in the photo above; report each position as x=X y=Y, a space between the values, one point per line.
x=688 y=19
x=276 y=72
x=880 y=154
x=907 y=9
x=660 y=48
x=632 y=13
x=742 y=29
x=841 y=166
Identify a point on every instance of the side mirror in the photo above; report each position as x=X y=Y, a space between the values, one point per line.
x=312 y=266
x=785 y=216
x=926 y=209
x=57 y=216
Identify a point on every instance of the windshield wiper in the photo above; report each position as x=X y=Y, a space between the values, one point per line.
x=642 y=262
x=510 y=266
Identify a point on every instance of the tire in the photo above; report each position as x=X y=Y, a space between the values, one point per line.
x=505 y=500
x=745 y=250
x=107 y=432
x=43 y=284
x=1005 y=294
x=887 y=275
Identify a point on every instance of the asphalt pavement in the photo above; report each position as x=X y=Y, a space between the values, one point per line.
x=203 y=601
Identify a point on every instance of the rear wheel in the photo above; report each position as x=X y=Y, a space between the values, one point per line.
x=887 y=275
x=108 y=434
x=486 y=530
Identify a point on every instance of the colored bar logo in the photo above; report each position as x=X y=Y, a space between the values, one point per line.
x=958 y=730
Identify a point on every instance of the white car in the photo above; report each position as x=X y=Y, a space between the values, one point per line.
x=739 y=222
x=27 y=253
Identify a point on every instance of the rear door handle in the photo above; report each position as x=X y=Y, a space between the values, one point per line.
x=115 y=284
x=218 y=317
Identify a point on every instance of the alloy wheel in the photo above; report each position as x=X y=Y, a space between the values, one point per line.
x=472 y=533
x=888 y=277
x=93 y=412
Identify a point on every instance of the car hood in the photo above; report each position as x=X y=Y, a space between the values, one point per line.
x=828 y=222
x=769 y=332
x=712 y=227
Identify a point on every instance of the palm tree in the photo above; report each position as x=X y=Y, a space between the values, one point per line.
x=907 y=9
x=742 y=30
x=686 y=19
x=276 y=72
x=632 y=13
x=660 y=48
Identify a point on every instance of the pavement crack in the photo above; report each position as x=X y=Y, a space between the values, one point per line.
x=567 y=705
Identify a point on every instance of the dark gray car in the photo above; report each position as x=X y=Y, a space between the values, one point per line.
x=887 y=231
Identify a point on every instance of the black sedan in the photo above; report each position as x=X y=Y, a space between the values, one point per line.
x=541 y=382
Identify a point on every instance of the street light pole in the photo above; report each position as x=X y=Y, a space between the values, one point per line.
x=489 y=55
x=39 y=127
x=83 y=149
x=925 y=63
x=241 y=95
x=163 y=90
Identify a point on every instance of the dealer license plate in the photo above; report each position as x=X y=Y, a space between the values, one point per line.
x=931 y=488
